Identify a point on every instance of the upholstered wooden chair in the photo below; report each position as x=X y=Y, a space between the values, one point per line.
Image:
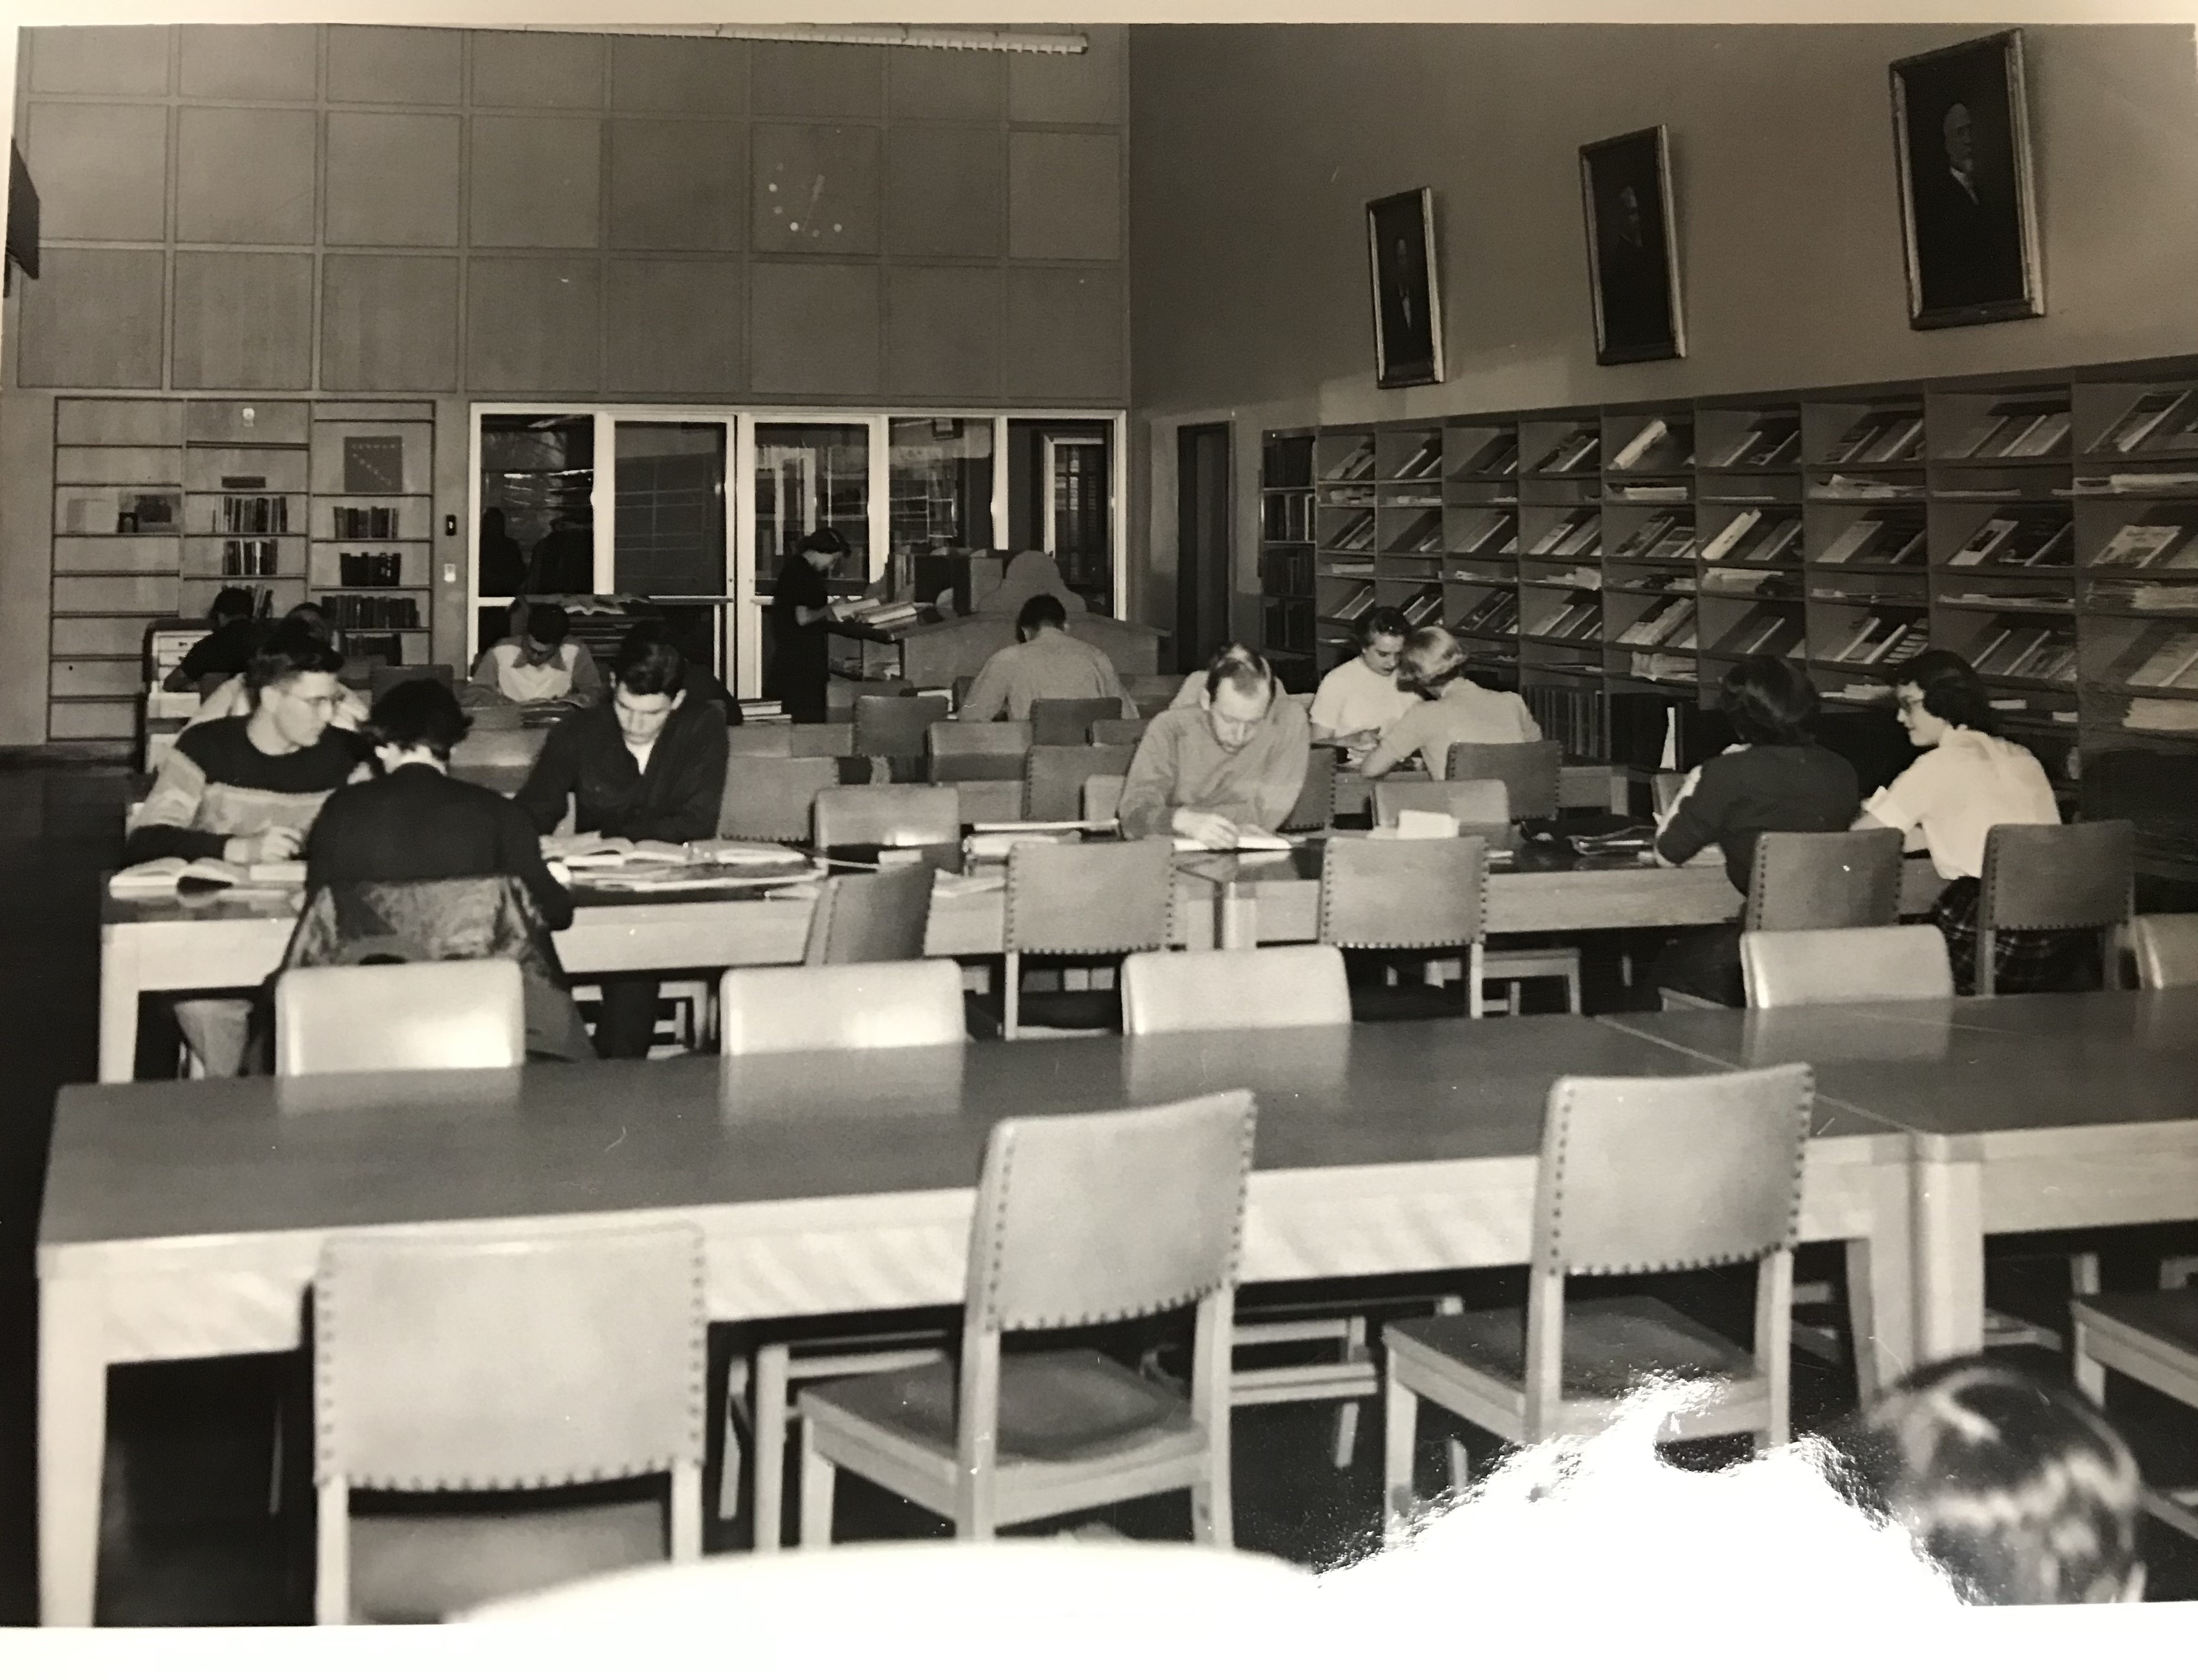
x=1316 y=803
x=894 y=816
x=1397 y=896
x=2042 y=877
x=385 y=1017
x=820 y=741
x=1101 y=900
x=478 y=1363
x=1081 y=1220
x=1528 y=768
x=759 y=741
x=1103 y=797
x=1844 y=965
x=882 y=1005
x=773 y=799
x=2166 y=950
x=1485 y=804
x=1118 y=732
x=976 y=752
x=1054 y=778
x=1067 y=722
x=1637 y=1176
x=880 y=916
x=892 y=726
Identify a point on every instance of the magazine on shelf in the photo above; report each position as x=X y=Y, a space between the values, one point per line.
x=1483 y=527
x=1424 y=608
x=1657 y=625
x=1783 y=539
x=1498 y=456
x=2041 y=437
x=2169 y=664
x=1902 y=440
x=1737 y=580
x=1424 y=462
x=1644 y=535
x=1567 y=456
x=1360 y=599
x=1720 y=545
x=2166 y=717
x=1676 y=543
x=2138 y=421
x=1862 y=487
x=1577 y=529
x=1358 y=464
x=1772 y=441
x=2040 y=539
x=1983 y=542
x=1631 y=454
x=2135 y=547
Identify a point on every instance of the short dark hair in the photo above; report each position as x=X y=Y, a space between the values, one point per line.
x=231 y=603
x=1041 y=609
x=422 y=712
x=1768 y=702
x=823 y=540
x=2013 y=1485
x=548 y=623
x=647 y=665
x=1241 y=668
x=1382 y=621
x=292 y=649
x=1952 y=691
x=308 y=613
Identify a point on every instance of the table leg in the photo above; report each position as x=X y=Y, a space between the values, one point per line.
x=71 y=1446
x=1881 y=1285
x=118 y=1005
x=1950 y=1259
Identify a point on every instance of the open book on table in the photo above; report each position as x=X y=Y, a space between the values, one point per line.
x=1247 y=840
x=161 y=877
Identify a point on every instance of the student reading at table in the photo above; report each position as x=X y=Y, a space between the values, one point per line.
x=1775 y=778
x=1360 y=698
x=801 y=626
x=1967 y=779
x=1452 y=708
x=648 y=766
x=246 y=790
x=225 y=651
x=1046 y=663
x=541 y=662
x=1235 y=760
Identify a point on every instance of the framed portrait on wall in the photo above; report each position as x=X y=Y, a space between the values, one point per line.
x=1969 y=218
x=1400 y=250
x=1633 y=259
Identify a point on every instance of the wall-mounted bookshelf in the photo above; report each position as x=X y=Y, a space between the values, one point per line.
x=372 y=520
x=1286 y=555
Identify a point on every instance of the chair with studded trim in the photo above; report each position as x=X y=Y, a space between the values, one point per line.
x=1067 y=722
x=1101 y=900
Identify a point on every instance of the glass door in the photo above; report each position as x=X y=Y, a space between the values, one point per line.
x=535 y=526
x=804 y=474
x=668 y=535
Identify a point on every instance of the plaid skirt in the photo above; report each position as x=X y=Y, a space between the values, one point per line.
x=2023 y=959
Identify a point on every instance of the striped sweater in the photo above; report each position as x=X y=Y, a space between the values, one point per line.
x=214 y=783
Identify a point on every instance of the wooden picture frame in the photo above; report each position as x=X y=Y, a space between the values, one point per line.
x=1407 y=293
x=1968 y=210
x=1632 y=249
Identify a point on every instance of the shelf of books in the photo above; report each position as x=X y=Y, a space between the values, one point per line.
x=1408 y=528
x=1650 y=620
x=1560 y=514
x=371 y=521
x=1286 y=555
x=1480 y=538
x=1346 y=526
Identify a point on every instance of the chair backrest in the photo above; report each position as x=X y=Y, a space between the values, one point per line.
x=976 y=752
x=2057 y=876
x=1845 y=965
x=892 y=726
x=1530 y=768
x=1089 y=1218
x=849 y=1006
x=1067 y=722
x=1118 y=732
x=1378 y=894
x=1483 y=804
x=1850 y=879
x=484 y=1362
x=1644 y=1175
x=1054 y=778
x=1219 y=990
x=772 y=799
x=1103 y=797
x=888 y=815
x=384 y=677
x=760 y=740
x=878 y=916
x=998 y=801
x=389 y=1016
x=1316 y=803
x=820 y=741
x=1100 y=900
x=2166 y=950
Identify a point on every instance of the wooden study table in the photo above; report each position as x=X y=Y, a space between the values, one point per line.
x=185 y=1220
x=2028 y=1113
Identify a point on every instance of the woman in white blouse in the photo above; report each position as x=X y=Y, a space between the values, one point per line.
x=1968 y=781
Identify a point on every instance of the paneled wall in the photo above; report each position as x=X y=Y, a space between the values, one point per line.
x=338 y=211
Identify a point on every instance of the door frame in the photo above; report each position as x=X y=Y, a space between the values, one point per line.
x=1205 y=598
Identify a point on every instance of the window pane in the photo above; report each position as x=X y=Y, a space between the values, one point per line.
x=940 y=474
x=537 y=524
x=808 y=476
x=670 y=536
x=1061 y=499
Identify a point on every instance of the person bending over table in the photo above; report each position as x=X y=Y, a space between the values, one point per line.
x=1046 y=663
x=1235 y=760
x=246 y=790
x=1967 y=780
x=1452 y=709
x=1360 y=698
x=541 y=662
x=1775 y=778
x=648 y=766
x=226 y=650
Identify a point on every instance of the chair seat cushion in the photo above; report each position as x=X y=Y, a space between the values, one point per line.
x=1055 y=1407
x=1610 y=1344
x=2169 y=1316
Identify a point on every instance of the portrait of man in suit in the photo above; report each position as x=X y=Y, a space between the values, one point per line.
x=1965 y=184
x=1407 y=302
x=1633 y=278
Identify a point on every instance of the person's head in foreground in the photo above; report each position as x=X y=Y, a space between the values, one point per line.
x=1768 y=702
x=544 y=633
x=1040 y=612
x=1938 y=691
x=2015 y=1488
x=295 y=692
x=648 y=680
x=416 y=723
x=1382 y=633
x=1432 y=660
x=1239 y=690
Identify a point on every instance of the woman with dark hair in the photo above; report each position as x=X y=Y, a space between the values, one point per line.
x=413 y=822
x=1775 y=778
x=800 y=626
x=1452 y=708
x=1968 y=781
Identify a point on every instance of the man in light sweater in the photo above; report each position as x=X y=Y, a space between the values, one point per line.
x=1234 y=760
x=1046 y=663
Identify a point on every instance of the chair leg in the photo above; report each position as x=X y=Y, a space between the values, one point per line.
x=332 y=1549
x=729 y=1465
x=2083 y=1274
x=771 y=1380
x=2090 y=1375
x=1011 y=994
x=686 y=1513
x=1212 y=1514
x=1573 y=989
x=1346 y=1433
x=1400 y=1418
x=1460 y=1464
x=818 y=1474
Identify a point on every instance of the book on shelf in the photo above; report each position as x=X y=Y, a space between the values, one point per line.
x=1659 y=625
x=2124 y=484
x=1902 y=440
x=1355 y=535
x=2141 y=420
x=1783 y=539
x=1425 y=462
x=1645 y=536
x=1662 y=667
x=1488 y=530
x=1631 y=454
x=1721 y=544
x=1985 y=542
x=1651 y=492
x=2134 y=546
x=2041 y=437
x=1423 y=608
x=1739 y=580
x=1495 y=614
x=1567 y=456
x=1346 y=568
x=1360 y=599
x=1423 y=535
x=1762 y=630
x=2009 y=649
x=2169 y=666
x=1771 y=440
x=1358 y=464
x=1498 y=455
x=1862 y=487
x=1877 y=542
x=1676 y=543
x=2148 y=597
x=2164 y=717
x=1570 y=535
x=2040 y=539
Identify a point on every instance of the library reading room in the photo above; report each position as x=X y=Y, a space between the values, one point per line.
x=983 y=818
